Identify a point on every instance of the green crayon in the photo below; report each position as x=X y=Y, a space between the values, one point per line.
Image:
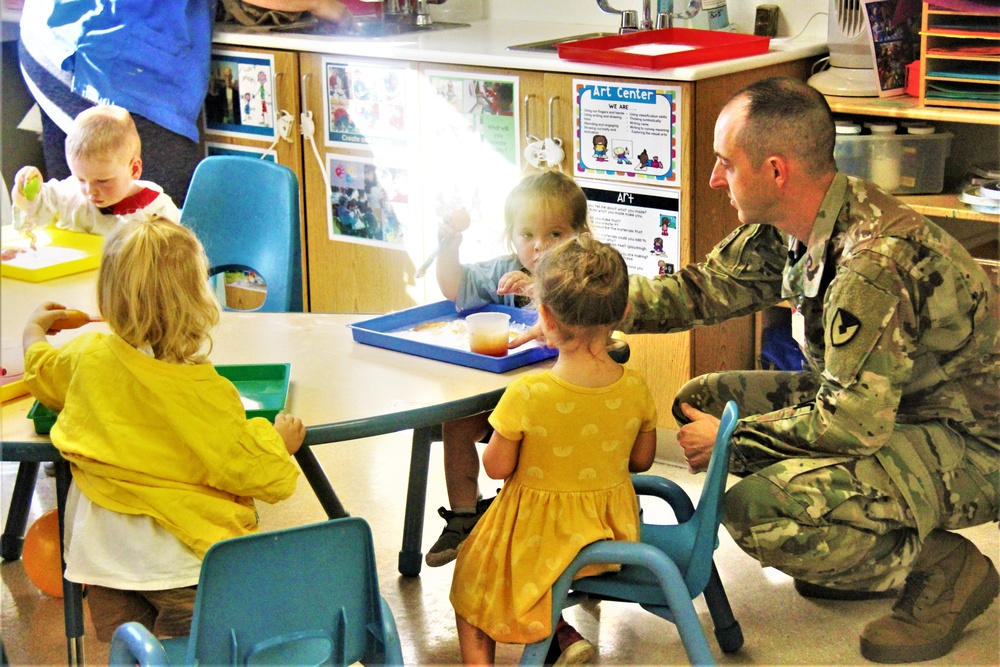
x=31 y=188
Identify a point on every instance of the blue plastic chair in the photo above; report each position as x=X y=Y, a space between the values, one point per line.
x=670 y=567
x=245 y=211
x=303 y=596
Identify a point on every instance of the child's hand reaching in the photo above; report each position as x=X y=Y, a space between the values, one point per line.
x=49 y=319
x=516 y=282
x=25 y=191
x=292 y=431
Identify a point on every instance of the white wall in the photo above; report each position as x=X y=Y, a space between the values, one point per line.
x=795 y=14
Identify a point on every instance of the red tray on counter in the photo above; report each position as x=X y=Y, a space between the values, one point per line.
x=660 y=49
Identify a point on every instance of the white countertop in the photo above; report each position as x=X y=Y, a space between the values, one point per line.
x=485 y=44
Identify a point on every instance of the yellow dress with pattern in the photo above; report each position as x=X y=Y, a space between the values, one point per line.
x=571 y=487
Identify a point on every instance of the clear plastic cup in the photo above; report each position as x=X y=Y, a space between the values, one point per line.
x=489 y=333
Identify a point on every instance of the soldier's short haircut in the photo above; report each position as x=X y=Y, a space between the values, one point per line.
x=786 y=116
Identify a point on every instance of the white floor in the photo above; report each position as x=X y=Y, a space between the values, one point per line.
x=781 y=628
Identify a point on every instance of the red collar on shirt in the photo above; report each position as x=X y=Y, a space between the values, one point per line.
x=133 y=203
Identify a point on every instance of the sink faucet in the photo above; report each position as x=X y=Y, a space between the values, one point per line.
x=646 y=23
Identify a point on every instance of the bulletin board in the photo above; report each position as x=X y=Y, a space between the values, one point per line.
x=627 y=132
x=240 y=99
x=643 y=223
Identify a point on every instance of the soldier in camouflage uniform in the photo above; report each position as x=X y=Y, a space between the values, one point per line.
x=854 y=469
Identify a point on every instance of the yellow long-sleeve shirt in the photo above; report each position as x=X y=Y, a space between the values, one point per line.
x=165 y=440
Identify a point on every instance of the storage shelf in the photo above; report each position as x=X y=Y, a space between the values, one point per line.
x=905 y=106
x=946 y=206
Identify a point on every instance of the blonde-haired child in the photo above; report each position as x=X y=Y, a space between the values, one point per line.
x=104 y=155
x=565 y=441
x=164 y=461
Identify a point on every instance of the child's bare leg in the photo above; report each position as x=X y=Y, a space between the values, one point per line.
x=461 y=473
x=461 y=459
x=478 y=648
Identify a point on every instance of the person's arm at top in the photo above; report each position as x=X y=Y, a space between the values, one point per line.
x=643 y=451
x=448 y=268
x=328 y=10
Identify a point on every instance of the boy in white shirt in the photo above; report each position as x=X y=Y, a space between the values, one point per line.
x=103 y=151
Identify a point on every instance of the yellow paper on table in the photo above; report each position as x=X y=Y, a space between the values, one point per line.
x=58 y=252
x=12 y=390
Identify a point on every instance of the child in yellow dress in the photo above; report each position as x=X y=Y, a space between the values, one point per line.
x=542 y=210
x=165 y=462
x=564 y=441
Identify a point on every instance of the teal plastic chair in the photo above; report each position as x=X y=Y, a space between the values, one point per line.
x=245 y=211
x=670 y=567
x=303 y=596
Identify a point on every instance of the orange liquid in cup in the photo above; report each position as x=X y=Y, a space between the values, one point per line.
x=493 y=345
x=488 y=333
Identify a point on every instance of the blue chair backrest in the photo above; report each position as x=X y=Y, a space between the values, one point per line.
x=245 y=211
x=305 y=595
x=691 y=543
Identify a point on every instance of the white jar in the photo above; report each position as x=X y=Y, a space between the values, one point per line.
x=457 y=11
x=885 y=157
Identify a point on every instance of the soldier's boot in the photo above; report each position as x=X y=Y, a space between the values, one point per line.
x=951 y=583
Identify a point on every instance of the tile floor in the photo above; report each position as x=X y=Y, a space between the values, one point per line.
x=781 y=628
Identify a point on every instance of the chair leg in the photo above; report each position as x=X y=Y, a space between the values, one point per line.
x=12 y=540
x=534 y=654
x=728 y=632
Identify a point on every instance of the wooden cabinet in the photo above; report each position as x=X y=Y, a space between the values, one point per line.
x=376 y=277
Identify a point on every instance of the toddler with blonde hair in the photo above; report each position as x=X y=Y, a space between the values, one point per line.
x=164 y=461
x=104 y=155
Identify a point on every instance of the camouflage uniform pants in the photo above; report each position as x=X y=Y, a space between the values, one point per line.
x=837 y=521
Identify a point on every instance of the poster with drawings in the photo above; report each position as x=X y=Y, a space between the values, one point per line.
x=643 y=223
x=366 y=105
x=240 y=98
x=627 y=132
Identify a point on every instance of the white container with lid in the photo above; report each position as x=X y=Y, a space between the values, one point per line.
x=885 y=157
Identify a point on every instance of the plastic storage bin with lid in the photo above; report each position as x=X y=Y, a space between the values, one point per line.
x=909 y=163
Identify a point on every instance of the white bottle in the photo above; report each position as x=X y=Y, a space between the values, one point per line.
x=885 y=155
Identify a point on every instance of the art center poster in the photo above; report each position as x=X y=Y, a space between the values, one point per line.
x=627 y=132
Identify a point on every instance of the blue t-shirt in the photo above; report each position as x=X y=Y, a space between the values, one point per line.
x=479 y=284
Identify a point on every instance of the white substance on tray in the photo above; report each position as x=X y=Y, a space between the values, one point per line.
x=455 y=334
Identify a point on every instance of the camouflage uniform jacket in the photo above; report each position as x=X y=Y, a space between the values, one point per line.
x=901 y=324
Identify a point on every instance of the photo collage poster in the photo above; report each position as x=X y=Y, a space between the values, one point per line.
x=627 y=132
x=469 y=155
x=368 y=106
x=240 y=99
x=370 y=203
x=643 y=223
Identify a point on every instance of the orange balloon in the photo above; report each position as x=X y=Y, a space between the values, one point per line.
x=41 y=556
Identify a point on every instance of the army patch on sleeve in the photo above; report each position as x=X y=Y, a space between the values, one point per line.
x=843 y=327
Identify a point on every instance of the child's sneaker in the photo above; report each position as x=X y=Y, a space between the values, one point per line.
x=457 y=529
x=569 y=647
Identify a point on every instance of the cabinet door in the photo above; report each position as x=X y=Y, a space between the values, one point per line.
x=228 y=138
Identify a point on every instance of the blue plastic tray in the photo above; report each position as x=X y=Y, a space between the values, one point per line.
x=379 y=332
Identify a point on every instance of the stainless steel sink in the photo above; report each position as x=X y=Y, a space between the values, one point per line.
x=387 y=26
x=549 y=45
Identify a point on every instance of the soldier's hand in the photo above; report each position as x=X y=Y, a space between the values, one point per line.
x=697 y=438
